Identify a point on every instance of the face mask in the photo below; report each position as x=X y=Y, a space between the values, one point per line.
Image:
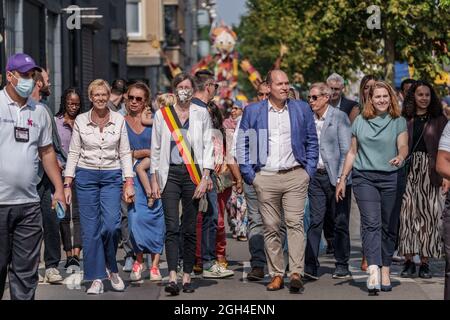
x=24 y=87
x=185 y=94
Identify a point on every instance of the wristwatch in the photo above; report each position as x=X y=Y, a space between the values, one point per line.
x=67 y=186
x=206 y=177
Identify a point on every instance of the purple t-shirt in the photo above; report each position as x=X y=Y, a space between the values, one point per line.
x=65 y=133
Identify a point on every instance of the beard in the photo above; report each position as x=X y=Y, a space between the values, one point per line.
x=45 y=92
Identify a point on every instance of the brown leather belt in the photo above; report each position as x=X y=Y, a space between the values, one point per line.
x=289 y=170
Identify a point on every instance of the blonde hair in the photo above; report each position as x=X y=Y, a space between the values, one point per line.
x=99 y=83
x=166 y=99
x=369 y=111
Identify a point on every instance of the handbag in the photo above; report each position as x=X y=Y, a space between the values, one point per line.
x=224 y=180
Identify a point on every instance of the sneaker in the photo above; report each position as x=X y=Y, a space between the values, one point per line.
x=311 y=276
x=128 y=266
x=136 y=273
x=341 y=272
x=41 y=278
x=116 y=282
x=73 y=264
x=217 y=271
x=424 y=271
x=155 y=275
x=52 y=275
x=409 y=269
x=96 y=287
x=198 y=269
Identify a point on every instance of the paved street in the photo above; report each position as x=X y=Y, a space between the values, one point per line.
x=237 y=288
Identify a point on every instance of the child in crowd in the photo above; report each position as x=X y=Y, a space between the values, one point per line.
x=143 y=167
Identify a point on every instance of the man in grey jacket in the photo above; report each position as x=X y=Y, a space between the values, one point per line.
x=334 y=134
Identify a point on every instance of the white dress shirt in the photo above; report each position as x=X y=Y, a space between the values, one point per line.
x=319 y=126
x=200 y=138
x=281 y=155
x=95 y=150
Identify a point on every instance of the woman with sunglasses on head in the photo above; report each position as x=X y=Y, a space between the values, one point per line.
x=423 y=200
x=71 y=107
x=99 y=156
x=146 y=217
x=378 y=150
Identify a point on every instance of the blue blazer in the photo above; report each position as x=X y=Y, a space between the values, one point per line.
x=252 y=148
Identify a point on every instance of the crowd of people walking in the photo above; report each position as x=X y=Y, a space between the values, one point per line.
x=164 y=174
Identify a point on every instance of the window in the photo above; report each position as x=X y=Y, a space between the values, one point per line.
x=134 y=18
x=171 y=25
x=9 y=10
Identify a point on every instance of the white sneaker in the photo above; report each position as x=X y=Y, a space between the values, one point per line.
x=117 y=282
x=136 y=273
x=96 y=287
x=128 y=265
x=217 y=271
x=155 y=275
x=52 y=275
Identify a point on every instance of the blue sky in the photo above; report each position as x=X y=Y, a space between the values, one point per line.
x=231 y=10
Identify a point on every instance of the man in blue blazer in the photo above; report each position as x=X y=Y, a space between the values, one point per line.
x=334 y=133
x=277 y=150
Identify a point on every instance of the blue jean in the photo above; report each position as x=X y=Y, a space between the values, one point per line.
x=99 y=195
x=209 y=230
x=376 y=193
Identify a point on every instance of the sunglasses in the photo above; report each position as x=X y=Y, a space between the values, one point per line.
x=260 y=94
x=138 y=99
x=216 y=86
x=313 y=98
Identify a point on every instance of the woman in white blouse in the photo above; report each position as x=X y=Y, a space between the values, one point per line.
x=172 y=180
x=99 y=156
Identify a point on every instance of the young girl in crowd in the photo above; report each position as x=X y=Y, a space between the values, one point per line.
x=144 y=166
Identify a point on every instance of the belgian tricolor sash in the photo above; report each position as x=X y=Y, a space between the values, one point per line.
x=184 y=147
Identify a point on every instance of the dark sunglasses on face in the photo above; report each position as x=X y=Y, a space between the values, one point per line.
x=313 y=98
x=261 y=94
x=138 y=99
x=216 y=86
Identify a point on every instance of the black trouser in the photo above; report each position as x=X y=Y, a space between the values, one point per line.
x=375 y=193
x=52 y=238
x=179 y=186
x=66 y=232
x=446 y=226
x=20 y=248
x=321 y=195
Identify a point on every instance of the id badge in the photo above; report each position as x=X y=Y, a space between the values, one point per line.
x=22 y=134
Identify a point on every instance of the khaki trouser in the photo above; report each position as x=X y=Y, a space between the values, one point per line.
x=287 y=192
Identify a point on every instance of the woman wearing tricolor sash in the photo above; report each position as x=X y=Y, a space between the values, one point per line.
x=182 y=158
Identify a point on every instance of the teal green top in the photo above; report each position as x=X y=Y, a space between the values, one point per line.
x=377 y=141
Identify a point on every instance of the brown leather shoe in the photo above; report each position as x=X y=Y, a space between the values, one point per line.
x=256 y=274
x=296 y=283
x=277 y=283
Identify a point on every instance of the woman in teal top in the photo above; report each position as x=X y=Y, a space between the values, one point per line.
x=379 y=148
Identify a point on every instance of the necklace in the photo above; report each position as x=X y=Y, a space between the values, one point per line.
x=423 y=117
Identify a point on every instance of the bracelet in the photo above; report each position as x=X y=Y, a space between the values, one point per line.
x=206 y=177
x=67 y=186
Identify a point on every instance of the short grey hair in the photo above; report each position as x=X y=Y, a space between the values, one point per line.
x=323 y=88
x=336 y=77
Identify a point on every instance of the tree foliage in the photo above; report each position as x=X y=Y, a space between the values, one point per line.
x=326 y=36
